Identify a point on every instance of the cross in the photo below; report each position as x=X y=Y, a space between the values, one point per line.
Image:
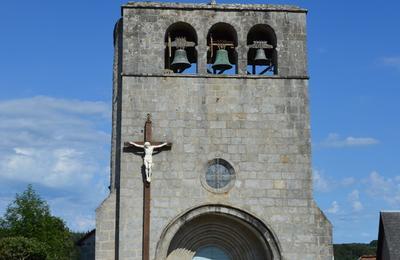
x=148 y=147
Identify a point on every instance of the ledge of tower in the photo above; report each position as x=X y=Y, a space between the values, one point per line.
x=222 y=7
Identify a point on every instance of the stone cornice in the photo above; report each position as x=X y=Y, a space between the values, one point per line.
x=219 y=7
x=214 y=76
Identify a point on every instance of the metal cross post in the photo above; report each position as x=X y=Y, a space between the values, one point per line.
x=146 y=184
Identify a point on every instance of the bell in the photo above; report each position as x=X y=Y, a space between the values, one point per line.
x=222 y=61
x=180 y=61
x=261 y=58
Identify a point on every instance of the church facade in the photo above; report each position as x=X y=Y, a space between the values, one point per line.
x=227 y=87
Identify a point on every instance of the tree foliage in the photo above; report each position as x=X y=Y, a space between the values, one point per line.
x=354 y=250
x=29 y=216
x=21 y=248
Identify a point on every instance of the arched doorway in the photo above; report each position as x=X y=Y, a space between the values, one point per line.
x=217 y=232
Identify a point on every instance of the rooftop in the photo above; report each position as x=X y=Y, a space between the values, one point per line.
x=223 y=7
x=389 y=232
x=367 y=257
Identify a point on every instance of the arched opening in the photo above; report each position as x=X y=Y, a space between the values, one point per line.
x=217 y=232
x=211 y=253
x=221 y=55
x=180 y=49
x=262 y=58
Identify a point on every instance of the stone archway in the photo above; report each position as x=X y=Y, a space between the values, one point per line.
x=238 y=234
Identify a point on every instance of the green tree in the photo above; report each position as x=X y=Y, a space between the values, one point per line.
x=29 y=216
x=374 y=243
x=353 y=250
x=21 y=248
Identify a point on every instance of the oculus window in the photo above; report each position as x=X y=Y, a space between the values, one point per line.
x=219 y=176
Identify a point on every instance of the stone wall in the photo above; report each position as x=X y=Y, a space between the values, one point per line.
x=259 y=125
x=105 y=228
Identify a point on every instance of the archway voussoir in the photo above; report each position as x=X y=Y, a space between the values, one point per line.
x=241 y=235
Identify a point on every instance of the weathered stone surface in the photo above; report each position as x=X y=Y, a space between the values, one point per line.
x=145 y=25
x=259 y=124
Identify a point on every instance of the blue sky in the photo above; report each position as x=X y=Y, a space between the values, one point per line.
x=55 y=81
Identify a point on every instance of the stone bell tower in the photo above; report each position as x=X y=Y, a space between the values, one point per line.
x=224 y=88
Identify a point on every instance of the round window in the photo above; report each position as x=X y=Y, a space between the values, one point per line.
x=219 y=176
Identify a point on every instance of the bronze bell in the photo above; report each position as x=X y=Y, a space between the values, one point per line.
x=261 y=58
x=222 y=61
x=180 y=62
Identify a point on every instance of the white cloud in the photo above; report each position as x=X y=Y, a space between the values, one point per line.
x=321 y=183
x=357 y=206
x=325 y=183
x=334 y=208
x=392 y=61
x=84 y=222
x=76 y=214
x=50 y=167
x=42 y=105
x=335 y=141
x=386 y=188
x=354 y=202
x=59 y=145
x=354 y=199
x=348 y=181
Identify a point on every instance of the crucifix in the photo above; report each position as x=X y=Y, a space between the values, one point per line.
x=149 y=148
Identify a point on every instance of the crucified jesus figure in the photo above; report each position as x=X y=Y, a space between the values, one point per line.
x=148 y=156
